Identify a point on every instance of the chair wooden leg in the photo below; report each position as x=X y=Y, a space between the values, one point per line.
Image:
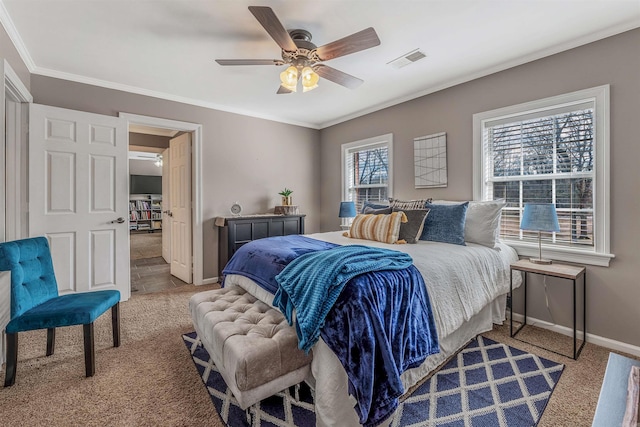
x=89 y=352
x=51 y=340
x=12 y=359
x=115 y=324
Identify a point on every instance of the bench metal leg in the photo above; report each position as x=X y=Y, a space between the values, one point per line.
x=12 y=359
x=51 y=340
x=89 y=352
x=115 y=324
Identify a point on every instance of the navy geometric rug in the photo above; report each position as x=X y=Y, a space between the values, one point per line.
x=485 y=384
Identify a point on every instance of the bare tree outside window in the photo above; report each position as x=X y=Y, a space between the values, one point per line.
x=370 y=175
x=547 y=160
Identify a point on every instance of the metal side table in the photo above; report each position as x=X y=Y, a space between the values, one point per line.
x=562 y=271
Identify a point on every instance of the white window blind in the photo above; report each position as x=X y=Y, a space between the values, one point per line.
x=544 y=159
x=367 y=170
x=554 y=150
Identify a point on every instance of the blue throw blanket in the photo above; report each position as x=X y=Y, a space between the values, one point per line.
x=312 y=283
x=263 y=259
x=380 y=325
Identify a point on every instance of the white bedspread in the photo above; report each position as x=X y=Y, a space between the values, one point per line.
x=461 y=281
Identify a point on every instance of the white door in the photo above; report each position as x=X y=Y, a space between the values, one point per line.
x=2 y=181
x=180 y=202
x=166 y=205
x=78 y=196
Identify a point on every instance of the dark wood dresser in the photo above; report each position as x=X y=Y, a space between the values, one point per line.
x=234 y=232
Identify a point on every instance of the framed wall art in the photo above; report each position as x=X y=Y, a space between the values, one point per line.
x=430 y=160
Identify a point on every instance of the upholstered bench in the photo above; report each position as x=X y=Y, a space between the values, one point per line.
x=250 y=342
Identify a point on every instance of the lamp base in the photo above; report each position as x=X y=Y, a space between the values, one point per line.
x=540 y=261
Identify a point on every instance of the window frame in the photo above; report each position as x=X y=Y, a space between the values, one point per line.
x=600 y=253
x=363 y=144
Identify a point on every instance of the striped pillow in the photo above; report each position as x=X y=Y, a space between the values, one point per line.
x=381 y=228
x=410 y=205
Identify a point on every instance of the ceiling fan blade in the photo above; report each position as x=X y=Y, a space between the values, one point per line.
x=356 y=42
x=249 y=61
x=282 y=89
x=337 y=76
x=268 y=19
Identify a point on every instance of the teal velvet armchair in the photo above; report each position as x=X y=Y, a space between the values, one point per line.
x=35 y=303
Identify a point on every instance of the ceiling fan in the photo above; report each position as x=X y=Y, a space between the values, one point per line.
x=303 y=57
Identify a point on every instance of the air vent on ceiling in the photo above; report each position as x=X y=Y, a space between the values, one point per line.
x=407 y=58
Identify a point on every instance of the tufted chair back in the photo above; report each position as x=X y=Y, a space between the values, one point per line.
x=32 y=278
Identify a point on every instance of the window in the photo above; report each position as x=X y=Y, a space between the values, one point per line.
x=367 y=170
x=555 y=150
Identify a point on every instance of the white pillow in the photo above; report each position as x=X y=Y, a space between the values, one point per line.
x=482 y=224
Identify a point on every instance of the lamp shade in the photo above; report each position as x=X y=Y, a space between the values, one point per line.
x=540 y=217
x=347 y=210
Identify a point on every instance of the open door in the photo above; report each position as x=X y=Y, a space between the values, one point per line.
x=180 y=202
x=166 y=206
x=78 y=196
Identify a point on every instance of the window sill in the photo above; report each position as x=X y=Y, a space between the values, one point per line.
x=562 y=254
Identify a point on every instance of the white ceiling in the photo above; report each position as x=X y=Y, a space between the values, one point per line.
x=167 y=48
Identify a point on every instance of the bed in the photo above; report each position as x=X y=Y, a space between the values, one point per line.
x=467 y=287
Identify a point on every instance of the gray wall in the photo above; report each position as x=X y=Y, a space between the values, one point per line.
x=144 y=167
x=244 y=159
x=613 y=294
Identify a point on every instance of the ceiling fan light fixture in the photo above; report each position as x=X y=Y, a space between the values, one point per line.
x=309 y=79
x=289 y=78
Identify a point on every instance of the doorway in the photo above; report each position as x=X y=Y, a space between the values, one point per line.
x=149 y=271
x=155 y=262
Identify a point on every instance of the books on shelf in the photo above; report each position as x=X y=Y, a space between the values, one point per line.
x=145 y=213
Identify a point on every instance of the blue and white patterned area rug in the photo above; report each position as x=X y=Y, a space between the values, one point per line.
x=485 y=384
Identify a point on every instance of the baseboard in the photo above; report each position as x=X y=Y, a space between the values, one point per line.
x=591 y=338
x=210 y=281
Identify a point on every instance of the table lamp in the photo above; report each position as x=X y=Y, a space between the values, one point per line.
x=540 y=217
x=347 y=210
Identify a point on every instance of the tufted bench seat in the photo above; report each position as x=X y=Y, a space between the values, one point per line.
x=250 y=343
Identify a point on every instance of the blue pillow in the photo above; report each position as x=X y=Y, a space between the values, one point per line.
x=374 y=205
x=445 y=223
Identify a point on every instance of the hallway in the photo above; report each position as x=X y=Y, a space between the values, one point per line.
x=149 y=271
x=152 y=275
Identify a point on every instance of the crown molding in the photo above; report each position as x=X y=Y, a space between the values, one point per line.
x=17 y=41
x=166 y=96
x=11 y=30
x=589 y=38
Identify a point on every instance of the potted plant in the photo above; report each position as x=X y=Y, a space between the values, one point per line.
x=287 y=200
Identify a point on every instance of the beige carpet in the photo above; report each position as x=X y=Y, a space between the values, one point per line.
x=151 y=380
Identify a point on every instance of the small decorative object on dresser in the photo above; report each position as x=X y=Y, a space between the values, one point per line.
x=236 y=209
x=286 y=210
x=287 y=200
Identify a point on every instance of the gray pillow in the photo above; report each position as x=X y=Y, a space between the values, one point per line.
x=411 y=230
x=374 y=205
x=377 y=211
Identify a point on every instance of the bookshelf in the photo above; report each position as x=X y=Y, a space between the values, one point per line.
x=145 y=212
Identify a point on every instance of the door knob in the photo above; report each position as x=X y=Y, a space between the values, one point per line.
x=119 y=221
x=168 y=213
